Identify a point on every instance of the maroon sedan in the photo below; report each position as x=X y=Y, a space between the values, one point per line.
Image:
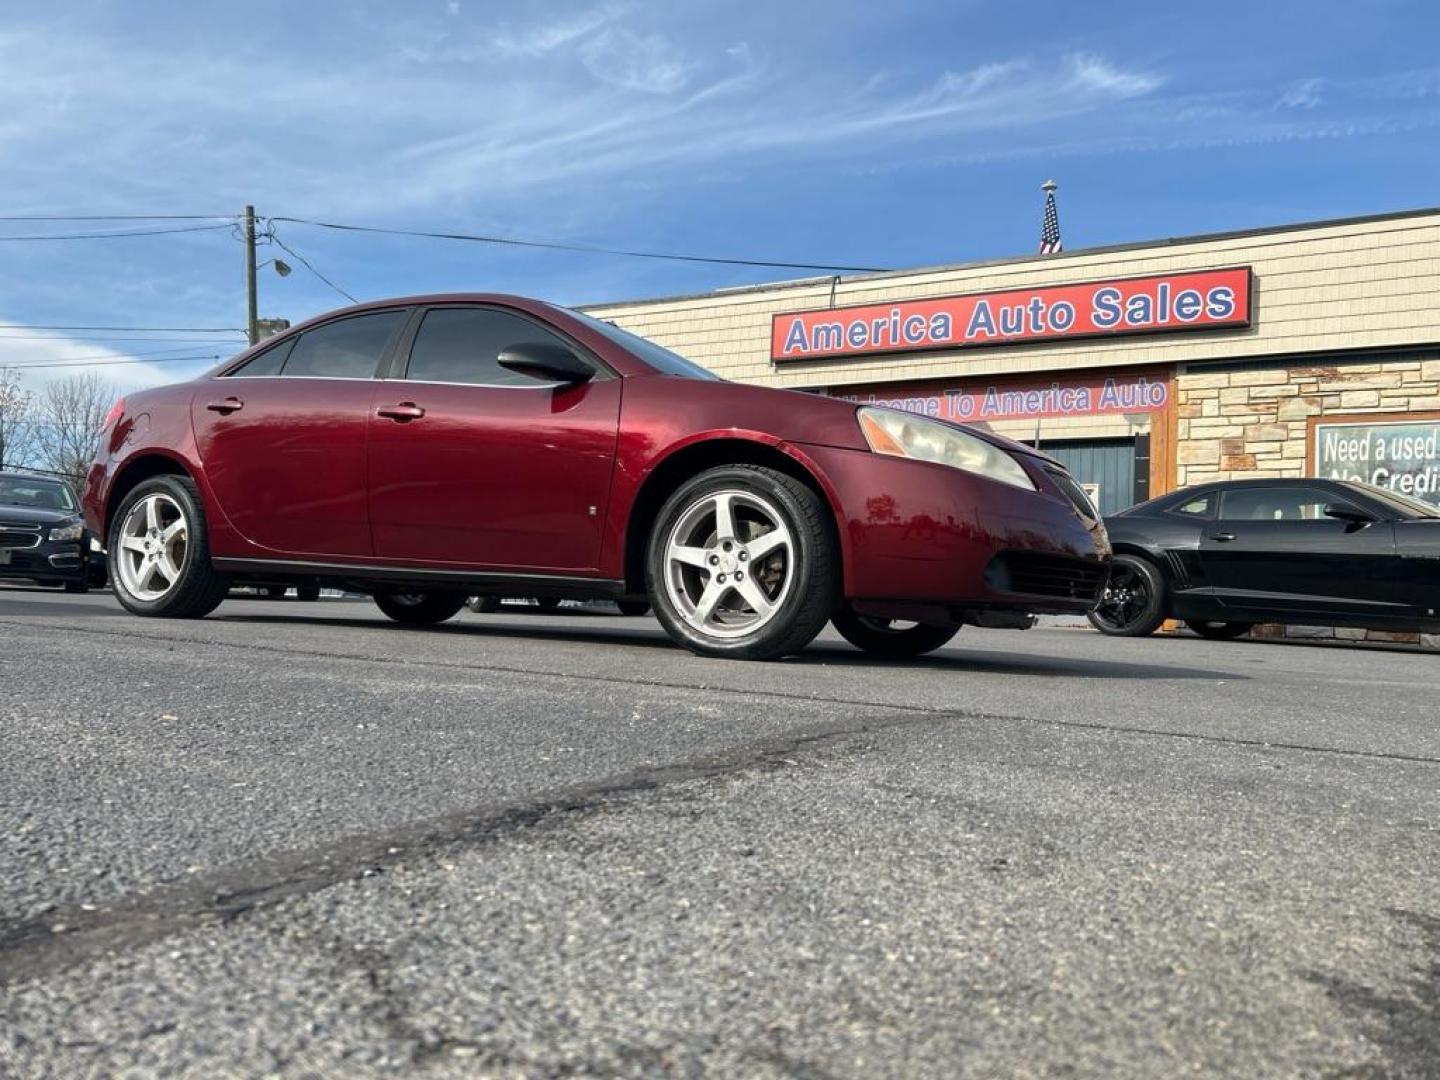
x=429 y=449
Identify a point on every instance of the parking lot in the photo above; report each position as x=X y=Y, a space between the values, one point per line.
x=295 y=839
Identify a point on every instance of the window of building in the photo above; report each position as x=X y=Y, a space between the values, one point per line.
x=463 y=345
x=345 y=349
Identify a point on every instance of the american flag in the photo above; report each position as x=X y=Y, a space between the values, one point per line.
x=1050 y=232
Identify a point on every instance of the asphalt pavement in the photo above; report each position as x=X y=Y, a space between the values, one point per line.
x=296 y=840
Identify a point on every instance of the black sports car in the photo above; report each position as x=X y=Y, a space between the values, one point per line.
x=1227 y=555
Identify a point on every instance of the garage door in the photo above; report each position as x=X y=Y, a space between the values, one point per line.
x=1105 y=467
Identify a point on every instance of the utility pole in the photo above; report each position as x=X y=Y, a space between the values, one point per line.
x=252 y=324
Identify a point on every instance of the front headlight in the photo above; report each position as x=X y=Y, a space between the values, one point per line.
x=69 y=531
x=902 y=434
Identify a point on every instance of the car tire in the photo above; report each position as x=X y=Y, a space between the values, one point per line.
x=633 y=607
x=883 y=637
x=1219 y=631
x=307 y=593
x=702 y=554
x=1133 y=603
x=77 y=586
x=157 y=531
x=419 y=608
x=483 y=605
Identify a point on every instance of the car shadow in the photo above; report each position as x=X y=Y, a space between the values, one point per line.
x=647 y=635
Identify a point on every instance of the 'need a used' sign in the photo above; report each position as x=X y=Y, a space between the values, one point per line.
x=1202 y=300
x=1402 y=455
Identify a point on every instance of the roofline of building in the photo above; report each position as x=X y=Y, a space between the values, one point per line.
x=1012 y=260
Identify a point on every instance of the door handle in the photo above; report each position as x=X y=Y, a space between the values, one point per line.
x=402 y=413
x=1223 y=538
x=226 y=407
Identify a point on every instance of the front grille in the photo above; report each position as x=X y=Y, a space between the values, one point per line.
x=19 y=536
x=1055 y=576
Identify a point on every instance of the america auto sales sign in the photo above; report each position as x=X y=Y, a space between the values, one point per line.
x=1199 y=300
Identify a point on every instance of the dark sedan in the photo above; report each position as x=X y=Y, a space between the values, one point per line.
x=42 y=536
x=1225 y=556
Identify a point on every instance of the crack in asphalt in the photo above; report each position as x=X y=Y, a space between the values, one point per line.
x=771 y=695
x=42 y=946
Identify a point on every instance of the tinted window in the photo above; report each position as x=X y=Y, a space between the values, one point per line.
x=268 y=362
x=1278 y=504
x=658 y=357
x=463 y=345
x=347 y=349
x=1196 y=506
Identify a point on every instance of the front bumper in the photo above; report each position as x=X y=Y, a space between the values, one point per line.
x=918 y=535
x=67 y=561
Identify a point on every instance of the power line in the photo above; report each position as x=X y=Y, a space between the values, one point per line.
x=137 y=329
x=306 y=263
x=117 y=217
x=193 y=342
x=102 y=356
x=512 y=242
x=118 y=235
x=106 y=363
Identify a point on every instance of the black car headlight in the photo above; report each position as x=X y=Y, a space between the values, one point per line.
x=889 y=431
x=71 y=530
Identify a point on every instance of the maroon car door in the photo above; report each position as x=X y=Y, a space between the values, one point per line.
x=282 y=439
x=474 y=465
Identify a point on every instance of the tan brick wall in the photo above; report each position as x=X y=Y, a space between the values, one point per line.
x=1335 y=287
x=1251 y=424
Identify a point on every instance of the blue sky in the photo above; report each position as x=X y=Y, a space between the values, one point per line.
x=886 y=135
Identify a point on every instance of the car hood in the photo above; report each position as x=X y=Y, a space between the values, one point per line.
x=32 y=515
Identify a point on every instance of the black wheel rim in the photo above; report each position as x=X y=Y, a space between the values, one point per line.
x=1125 y=600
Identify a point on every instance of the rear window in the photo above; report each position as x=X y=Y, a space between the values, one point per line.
x=345 y=349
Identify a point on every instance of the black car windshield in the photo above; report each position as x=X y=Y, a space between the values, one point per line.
x=35 y=493
x=1404 y=505
x=661 y=359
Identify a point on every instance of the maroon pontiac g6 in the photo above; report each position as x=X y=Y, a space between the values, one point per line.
x=430 y=449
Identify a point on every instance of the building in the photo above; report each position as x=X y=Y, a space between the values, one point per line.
x=1310 y=349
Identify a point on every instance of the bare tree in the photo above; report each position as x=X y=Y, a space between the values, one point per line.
x=16 y=428
x=69 y=414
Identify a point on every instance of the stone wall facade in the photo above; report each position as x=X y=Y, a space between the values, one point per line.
x=1251 y=423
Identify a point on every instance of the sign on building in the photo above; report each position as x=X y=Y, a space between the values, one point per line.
x=1200 y=300
x=1093 y=395
x=1402 y=455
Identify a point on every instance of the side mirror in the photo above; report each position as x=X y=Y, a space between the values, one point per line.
x=1349 y=515
x=541 y=360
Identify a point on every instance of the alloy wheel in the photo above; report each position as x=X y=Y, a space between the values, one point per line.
x=154 y=540
x=729 y=563
x=1125 y=600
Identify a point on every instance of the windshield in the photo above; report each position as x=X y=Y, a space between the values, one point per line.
x=661 y=359
x=35 y=493
x=1403 y=504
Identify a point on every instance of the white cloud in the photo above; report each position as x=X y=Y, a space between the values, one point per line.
x=647 y=62
x=1301 y=95
x=1095 y=73
x=39 y=357
x=546 y=37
